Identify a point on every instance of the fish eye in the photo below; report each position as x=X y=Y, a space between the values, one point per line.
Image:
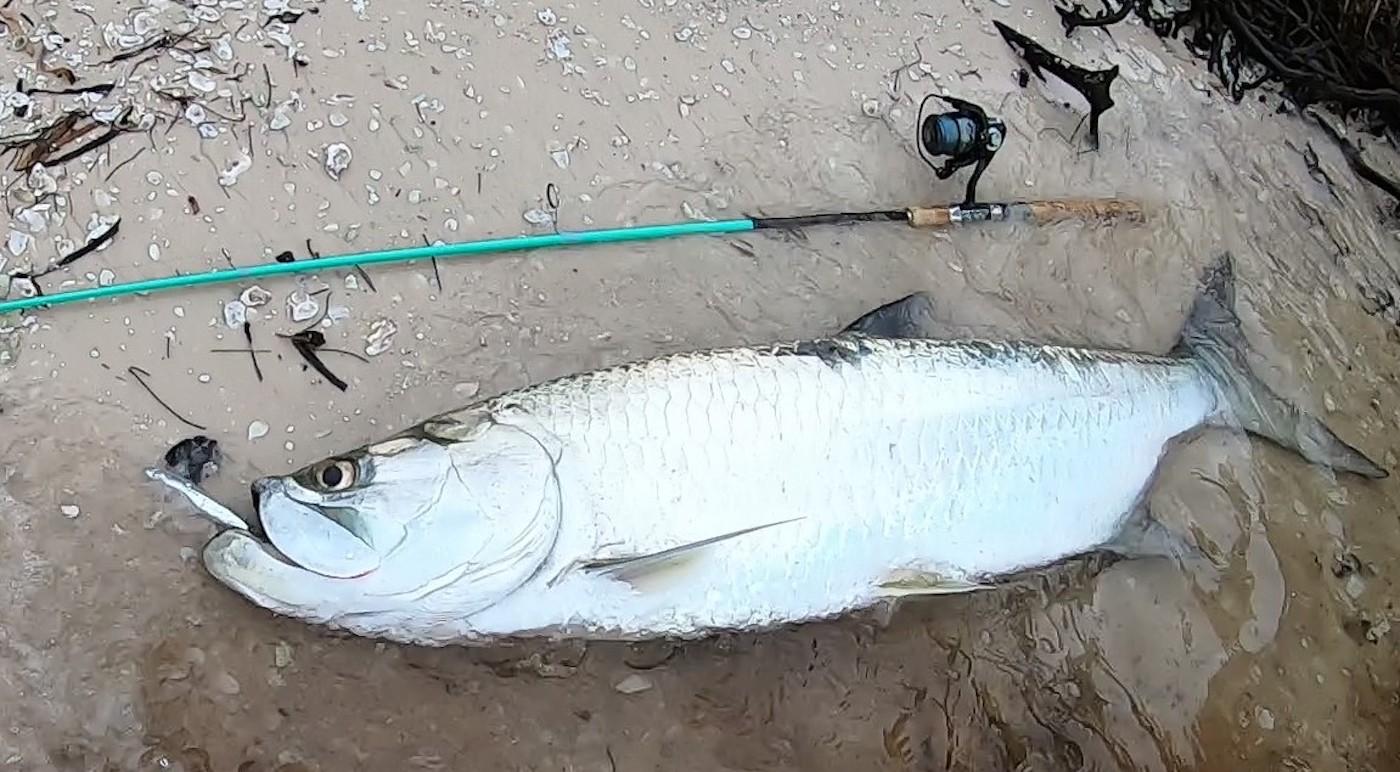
x=336 y=475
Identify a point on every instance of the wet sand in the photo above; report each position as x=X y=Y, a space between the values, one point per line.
x=118 y=652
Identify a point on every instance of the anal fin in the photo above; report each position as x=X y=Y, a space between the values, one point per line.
x=904 y=583
x=1144 y=536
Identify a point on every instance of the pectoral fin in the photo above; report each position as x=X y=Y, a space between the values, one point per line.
x=633 y=568
x=909 y=582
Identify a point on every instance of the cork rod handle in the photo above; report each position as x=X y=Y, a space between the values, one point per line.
x=1040 y=212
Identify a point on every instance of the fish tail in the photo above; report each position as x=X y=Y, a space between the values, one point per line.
x=1214 y=338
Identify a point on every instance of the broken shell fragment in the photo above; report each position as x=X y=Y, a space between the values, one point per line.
x=23 y=287
x=301 y=306
x=381 y=337
x=41 y=182
x=559 y=46
x=18 y=242
x=560 y=154
x=201 y=82
x=235 y=313
x=337 y=159
x=223 y=48
x=242 y=164
x=255 y=296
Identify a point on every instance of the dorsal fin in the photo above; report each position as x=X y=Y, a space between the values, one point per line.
x=909 y=317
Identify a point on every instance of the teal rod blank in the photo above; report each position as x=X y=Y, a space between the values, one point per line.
x=483 y=247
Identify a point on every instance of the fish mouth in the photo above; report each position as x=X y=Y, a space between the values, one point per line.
x=305 y=536
x=255 y=526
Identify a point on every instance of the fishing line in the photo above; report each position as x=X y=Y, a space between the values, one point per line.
x=966 y=135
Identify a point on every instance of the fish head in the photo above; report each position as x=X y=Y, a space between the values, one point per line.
x=420 y=530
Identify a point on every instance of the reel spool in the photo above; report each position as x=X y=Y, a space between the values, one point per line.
x=965 y=136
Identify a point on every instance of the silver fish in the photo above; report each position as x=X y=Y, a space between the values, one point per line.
x=203 y=503
x=750 y=487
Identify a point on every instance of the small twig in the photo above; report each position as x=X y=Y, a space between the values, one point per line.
x=1358 y=164
x=252 y=352
x=436 y=274
x=345 y=352
x=898 y=71
x=92 y=144
x=164 y=40
x=136 y=373
x=100 y=88
x=306 y=343
x=92 y=246
x=123 y=163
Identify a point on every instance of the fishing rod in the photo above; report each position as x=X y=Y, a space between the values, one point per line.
x=965 y=135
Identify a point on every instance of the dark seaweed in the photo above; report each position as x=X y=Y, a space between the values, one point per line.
x=306 y=343
x=1338 y=55
x=190 y=458
x=1095 y=85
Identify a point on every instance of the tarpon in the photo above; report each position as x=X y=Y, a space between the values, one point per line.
x=749 y=487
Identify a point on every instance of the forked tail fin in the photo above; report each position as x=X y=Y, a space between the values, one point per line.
x=1212 y=336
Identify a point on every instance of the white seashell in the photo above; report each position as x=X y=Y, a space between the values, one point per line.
x=242 y=164
x=32 y=219
x=337 y=159
x=255 y=296
x=381 y=337
x=201 y=82
x=560 y=47
x=301 y=306
x=41 y=182
x=235 y=313
x=23 y=287
x=18 y=242
x=144 y=23
x=223 y=48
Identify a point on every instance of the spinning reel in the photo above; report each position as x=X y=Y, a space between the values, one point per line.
x=966 y=135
